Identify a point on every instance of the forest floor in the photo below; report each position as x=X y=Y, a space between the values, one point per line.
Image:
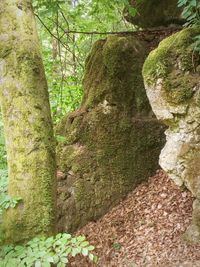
x=145 y=230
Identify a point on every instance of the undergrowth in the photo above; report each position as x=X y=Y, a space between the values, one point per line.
x=46 y=252
x=191 y=13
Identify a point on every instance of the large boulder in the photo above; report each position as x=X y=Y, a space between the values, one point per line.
x=155 y=13
x=172 y=80
x=112 y=142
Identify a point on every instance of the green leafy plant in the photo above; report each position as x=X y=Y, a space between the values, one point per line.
x=3 y=160
x=5 y=200
x=191 y=13
x=46 y=252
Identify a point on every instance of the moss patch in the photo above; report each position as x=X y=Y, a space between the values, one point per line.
x=173 y=57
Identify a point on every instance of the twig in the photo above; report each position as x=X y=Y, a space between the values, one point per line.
x=58 y=39
x=122 y=32
x=49 y=31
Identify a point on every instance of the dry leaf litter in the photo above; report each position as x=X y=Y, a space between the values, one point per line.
x=145 y=230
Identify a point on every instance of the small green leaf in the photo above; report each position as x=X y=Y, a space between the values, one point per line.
x=38 y=263
x=84 y=244
x=90 y=248
x=46 y=264
x=64 y=260
x=81 y=238
x=66 y=236
x=84 y=251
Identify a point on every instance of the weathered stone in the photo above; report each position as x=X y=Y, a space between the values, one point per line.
x=112 y=142
x=172 y=82
x=155 y=13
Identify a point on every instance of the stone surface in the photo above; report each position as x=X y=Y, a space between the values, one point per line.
x=172 y=81
x=112 y=142
x=155 y=13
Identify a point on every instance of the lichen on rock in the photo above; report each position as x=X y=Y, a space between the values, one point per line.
x=173 y=87
x=112 y=142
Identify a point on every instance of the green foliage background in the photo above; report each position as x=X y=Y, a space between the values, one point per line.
x=64 y=53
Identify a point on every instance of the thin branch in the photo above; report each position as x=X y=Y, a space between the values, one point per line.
x=58 y=39
x=135 y=32
x=49 y=31
x=69 y=36
x=121 y=32
x=63 y=15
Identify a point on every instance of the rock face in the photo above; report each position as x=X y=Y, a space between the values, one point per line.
x=172 y=81
x=155 y=13
x=112 y=142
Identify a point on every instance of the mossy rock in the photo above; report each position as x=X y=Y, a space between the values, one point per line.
x=155 y=13
x=171 y=75
x=112 y=142
x=112 y=69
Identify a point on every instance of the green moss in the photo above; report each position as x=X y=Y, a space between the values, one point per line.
x=28 y=127
x=157 y=64
x=112 y=147
x=173 y=57
x=179 y=89
x=112 y=67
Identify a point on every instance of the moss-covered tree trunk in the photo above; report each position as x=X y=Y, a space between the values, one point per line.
x=28 y=125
